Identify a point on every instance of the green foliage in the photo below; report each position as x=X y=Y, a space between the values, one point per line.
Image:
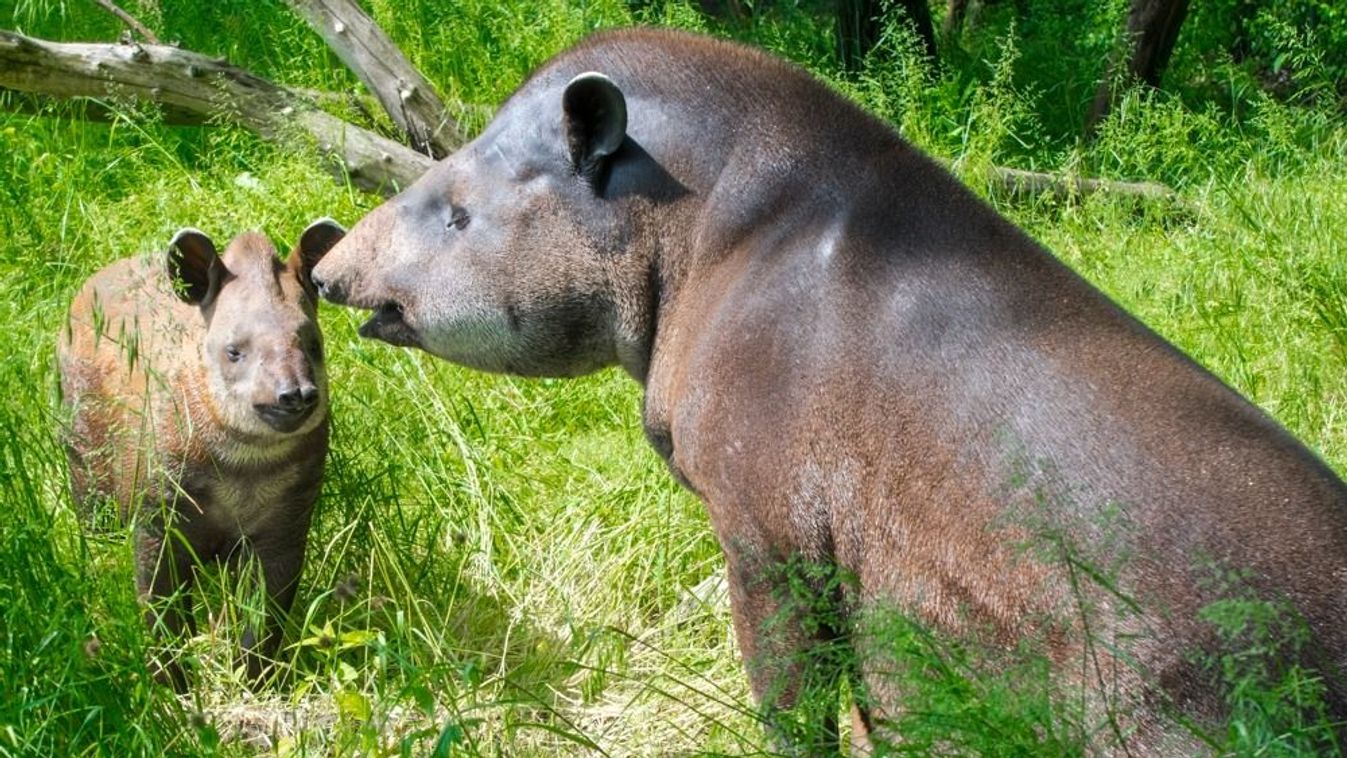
x=1276 y=708
x=1283 y=45
x=71 y=638
x=501 y=566
x=970 y=701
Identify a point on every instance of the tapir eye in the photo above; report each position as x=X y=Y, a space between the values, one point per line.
x=233 y=353
x=459 y=220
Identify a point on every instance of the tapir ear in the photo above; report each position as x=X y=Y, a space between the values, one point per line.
x=194 y=267
x=314 y=242
x=594 y=120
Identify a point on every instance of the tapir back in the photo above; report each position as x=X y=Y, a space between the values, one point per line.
x=129 y=359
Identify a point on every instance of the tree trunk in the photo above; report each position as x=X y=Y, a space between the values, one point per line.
x=1152 y=29
x=859 y=27
x=405 y=94
x=1241 y=46
x=195 y=84
x=961 y=12
x=954 y=14
x=724 y=8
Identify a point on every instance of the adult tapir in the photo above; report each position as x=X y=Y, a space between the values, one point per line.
x=857 y=364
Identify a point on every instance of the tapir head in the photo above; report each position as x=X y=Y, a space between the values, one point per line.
x=262 y=352
x=503 y=256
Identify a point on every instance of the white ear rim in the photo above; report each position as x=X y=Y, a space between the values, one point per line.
x=315 y=242
x=186 y=230
x=324 y=221
x=605 y=142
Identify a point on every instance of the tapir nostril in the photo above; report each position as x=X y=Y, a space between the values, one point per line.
x=291 y=398
x=297 y=398
x=327 y=290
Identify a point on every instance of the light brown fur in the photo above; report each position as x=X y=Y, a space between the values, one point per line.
x=165 y=426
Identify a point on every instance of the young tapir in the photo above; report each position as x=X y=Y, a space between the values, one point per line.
x=198 y=404
x=857 y=364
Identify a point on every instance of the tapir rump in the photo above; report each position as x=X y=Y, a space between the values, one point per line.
x=857 y=364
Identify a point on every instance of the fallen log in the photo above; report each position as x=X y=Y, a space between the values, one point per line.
x=1020 y=182
x=98 y=111
x=194 y=88
x=193 y=83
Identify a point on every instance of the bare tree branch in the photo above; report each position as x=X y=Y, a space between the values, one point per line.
x=129 y=20
x=193 y=83
x=405 y=94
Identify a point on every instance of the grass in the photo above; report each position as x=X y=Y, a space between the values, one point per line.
x=501 y=566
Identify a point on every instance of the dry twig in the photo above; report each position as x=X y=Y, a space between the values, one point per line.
x=129 y=20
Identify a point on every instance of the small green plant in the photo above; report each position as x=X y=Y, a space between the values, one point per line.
x=1277 y=704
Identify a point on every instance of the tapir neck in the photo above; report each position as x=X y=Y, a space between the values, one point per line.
x=646 y=278
x=637 y=320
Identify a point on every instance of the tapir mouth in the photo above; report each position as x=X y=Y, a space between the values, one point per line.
x=387 y=324
x=284 y=420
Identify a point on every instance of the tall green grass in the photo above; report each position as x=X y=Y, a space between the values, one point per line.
x=502 y=566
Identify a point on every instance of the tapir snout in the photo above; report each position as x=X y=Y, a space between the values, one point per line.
x=350 y=275
x=290 y=395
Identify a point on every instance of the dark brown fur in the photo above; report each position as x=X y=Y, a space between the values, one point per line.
x=165 y=425
x=856 y=363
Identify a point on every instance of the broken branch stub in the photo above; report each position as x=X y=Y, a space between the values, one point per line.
x=407 y=96
x=131 y=22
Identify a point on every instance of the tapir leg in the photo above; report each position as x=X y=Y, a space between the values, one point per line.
x=860 y=732
x=794 y=655
x=278 y=561
x=164 y=577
